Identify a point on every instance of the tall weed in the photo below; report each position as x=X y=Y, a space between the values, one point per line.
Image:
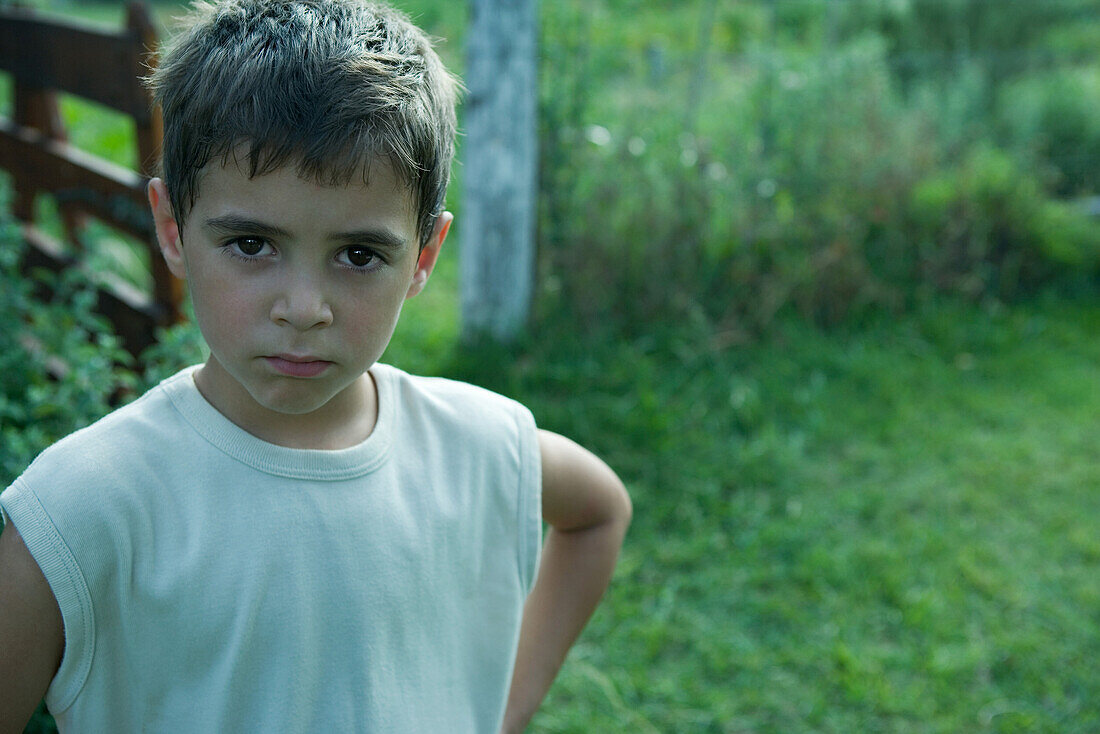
x=823 y=168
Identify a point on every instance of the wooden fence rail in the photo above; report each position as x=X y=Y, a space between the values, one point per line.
x=45 y=56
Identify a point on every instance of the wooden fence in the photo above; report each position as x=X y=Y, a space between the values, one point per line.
x=45 y=56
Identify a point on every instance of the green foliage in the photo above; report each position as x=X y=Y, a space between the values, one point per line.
x=1052 y=119
x=176 y=347
x=41 y=722
x=932 y=35
x=790 y=168
x=985 y=228
x=767 y=206
x=60 y=365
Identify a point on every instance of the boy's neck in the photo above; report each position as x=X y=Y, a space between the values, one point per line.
x=344 y=421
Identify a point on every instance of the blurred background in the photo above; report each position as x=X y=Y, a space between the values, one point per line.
x=819 y=279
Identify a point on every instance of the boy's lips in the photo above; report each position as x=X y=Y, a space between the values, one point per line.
x=295 y=366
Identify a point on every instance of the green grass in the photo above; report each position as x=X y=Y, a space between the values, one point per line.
x=893 y=529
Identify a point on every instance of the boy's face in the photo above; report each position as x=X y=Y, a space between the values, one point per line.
x=297 y=288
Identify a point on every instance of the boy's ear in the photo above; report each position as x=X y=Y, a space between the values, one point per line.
x=430 y=253
x=168 y=231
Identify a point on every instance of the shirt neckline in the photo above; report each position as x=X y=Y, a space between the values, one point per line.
x=270 y=458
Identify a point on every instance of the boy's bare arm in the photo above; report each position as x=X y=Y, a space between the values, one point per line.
x=588 y=511
x=32 y=635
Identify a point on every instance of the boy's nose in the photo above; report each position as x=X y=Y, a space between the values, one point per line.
x=302 y=308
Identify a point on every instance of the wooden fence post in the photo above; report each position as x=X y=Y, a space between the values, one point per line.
x=497 y=221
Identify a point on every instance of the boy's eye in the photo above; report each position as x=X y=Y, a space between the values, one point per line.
x=360 y=257
x=249 y=246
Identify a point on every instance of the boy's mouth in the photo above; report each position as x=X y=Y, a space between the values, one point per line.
x=296 y=366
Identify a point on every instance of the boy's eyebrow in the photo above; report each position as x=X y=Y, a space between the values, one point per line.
x=235 y=224
x=380 y=236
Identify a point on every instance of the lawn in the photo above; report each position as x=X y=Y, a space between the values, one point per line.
x=892 y=528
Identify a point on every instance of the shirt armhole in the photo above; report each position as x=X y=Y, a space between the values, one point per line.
x=529 y=498
x=21 y=507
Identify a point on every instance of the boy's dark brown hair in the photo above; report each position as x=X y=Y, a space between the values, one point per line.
x=330 y=85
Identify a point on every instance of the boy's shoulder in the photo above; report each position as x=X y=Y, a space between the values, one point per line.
x=458 y=405
x=443 y=421
x=117 y=438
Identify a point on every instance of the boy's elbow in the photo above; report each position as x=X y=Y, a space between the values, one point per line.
x=624 y=507
x=580 y=491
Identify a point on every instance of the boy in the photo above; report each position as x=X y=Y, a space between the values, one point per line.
x=292 y=536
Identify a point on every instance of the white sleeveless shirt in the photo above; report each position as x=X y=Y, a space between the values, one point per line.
x=213 y=582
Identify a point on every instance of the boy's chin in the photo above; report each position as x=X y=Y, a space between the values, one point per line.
x=299 y=401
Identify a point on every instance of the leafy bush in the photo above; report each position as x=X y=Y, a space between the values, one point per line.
x=931 y=37
x=985 y=227
x=1052 y=119
x=60 y=365
x=826 y=169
